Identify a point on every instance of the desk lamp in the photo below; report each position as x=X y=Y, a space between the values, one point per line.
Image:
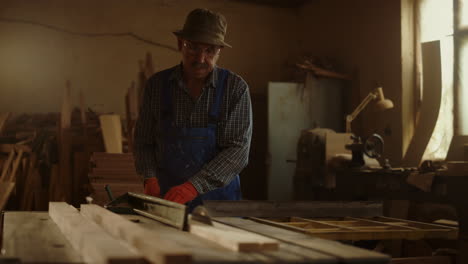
x=381 y=104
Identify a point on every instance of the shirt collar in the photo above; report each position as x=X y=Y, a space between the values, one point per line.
x=212 y=78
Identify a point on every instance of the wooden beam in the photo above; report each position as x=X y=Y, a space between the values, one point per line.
x=16 y=163
x=296 y=208
x=92 y=242
x=5 y=191
x=232 y=238
x=423 y=260
x=33 y=237
x=112 y=133
x=148 y=243
x=6 y=165
x=3 y=118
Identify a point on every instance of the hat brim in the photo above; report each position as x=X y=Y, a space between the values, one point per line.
x=201 y=38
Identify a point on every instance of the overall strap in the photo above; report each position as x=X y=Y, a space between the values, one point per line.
x=219 y=92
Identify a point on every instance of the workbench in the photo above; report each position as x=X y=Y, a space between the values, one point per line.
x=32 y=237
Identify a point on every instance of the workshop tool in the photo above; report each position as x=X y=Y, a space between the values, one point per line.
x=371 y=147
x=167 y=212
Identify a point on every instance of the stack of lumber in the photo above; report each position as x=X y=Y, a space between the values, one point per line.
x=46 y=156
x=116 y=170
x=26 y=153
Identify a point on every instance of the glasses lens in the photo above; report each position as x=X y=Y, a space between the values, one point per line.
x=193 y=49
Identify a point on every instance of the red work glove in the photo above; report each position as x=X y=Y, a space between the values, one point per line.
x=182 y=193
x=152 y=187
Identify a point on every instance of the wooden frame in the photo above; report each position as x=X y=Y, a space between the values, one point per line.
x=351 y=228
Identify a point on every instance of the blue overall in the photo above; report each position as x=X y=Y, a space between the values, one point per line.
x=186 y=150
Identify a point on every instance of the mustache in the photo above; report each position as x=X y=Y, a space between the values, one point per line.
x=198 y=65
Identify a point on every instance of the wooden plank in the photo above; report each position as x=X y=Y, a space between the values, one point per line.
x=232 y=238
x=7 y=148
x=114 y=157
x=423 y=260
x=112 y=133
x=34 y=238
x=65 y=113
x=205 y=251
x=87 y=238
x=3 y=118
x=12 y=175
x=116 y=171
x=29 y=187
x=345 y=253
x=446 y=222
x=148 y=243
x=5 y=191
x=296 y=208
x=7 y=165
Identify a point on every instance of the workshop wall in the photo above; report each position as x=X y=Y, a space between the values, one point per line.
x=37 y=61
x=364 y=37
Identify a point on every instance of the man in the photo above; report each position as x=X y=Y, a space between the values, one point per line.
x=192 y=137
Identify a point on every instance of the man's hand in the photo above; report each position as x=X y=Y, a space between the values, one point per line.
x=152 y=187
x=182 y=193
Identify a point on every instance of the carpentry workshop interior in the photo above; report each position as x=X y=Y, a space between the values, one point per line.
x=234 y=131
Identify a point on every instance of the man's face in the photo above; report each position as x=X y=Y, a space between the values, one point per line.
x=198 y=59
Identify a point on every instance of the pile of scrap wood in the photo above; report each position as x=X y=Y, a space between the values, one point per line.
x=31 y=158
x=115 y=170
x=27 y=150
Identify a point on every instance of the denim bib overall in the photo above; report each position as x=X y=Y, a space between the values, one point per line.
x=186 y=150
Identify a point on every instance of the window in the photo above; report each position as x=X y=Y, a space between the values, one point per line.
x=436 y=24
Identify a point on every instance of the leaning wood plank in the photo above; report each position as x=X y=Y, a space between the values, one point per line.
x=3 y=118
x=5 y=191
x=112 y=133
x=149 y=243
x=91 y=241
x=232 y=238
x=6 y=165
x=12 y=176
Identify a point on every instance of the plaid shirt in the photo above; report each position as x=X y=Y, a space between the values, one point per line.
x=234 y=130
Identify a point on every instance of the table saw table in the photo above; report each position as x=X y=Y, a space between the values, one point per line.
x=32 y=237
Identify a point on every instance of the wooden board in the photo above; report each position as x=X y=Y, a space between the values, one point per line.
x=7 y=165
x=7 y=148
x=112 y=133
x=296 y=208
x=33 y=237
x=344 y=253
x=6 y=188
x=147 y=243
x=232 y=238
x=3 y=118
x=87 y=238
x=423 y=260
x=204 y=251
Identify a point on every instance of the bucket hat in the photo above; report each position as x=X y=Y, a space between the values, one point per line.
x=205 y=26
